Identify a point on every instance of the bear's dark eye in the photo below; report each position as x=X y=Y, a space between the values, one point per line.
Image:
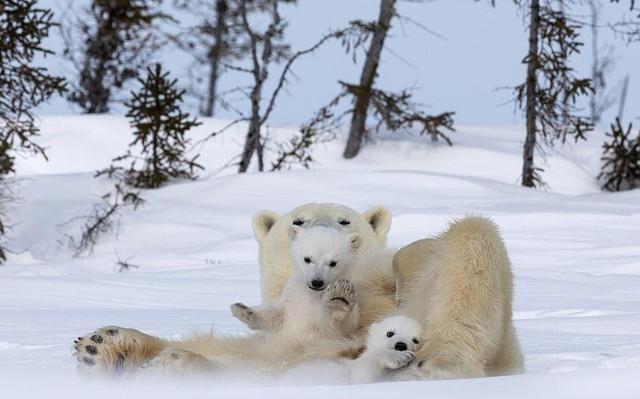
x=344 y=222
x=307 y=259
x=333 y=263
x=415 y=341
x=390 y=334
x=298 y=222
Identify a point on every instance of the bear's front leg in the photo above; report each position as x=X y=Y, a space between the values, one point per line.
x=266 y=318
x=114 y=351
x=340 y=299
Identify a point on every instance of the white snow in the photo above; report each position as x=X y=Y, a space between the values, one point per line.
x=575 y=253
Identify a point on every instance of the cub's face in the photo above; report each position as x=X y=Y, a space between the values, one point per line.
x=398 y=333
x=322 y=255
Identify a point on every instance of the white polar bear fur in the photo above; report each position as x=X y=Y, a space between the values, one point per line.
x=373 y=273
x=458 y=285
x=379 y=362
x=319 y=254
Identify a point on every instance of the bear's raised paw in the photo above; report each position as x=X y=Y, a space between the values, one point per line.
x=394 y=360
x=340 y=291
x=246 y=315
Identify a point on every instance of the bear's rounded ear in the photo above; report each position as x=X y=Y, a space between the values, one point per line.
x=373 y=327
x=379 y=218
x=293 y=232
x=355 y=241
x=262 y=222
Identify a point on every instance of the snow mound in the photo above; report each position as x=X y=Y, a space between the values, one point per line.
x=574 y=249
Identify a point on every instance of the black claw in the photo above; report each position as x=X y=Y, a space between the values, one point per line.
x=91 y=349
x=96 y=338
x=88 y=361
x=421 y=363
x=340 y=299
x=174 y=356
x=112 y=331
x=80 y=338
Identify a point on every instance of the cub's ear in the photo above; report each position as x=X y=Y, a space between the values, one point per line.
x=355 y=241
x=262 y=222
x=379 y=218
x=293 y=232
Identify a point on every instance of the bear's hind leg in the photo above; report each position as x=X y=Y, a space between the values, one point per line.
x=114 y=351
x=463 y=296
x=176 y=363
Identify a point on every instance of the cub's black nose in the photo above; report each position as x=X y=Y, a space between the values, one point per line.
x=317 y=284
x=400 y=346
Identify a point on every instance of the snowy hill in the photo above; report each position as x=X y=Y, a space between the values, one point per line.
x=575 y=251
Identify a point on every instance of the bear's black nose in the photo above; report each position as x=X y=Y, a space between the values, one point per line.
x=400 y=346
x=317 y=284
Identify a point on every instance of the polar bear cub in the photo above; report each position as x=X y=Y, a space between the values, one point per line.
x=318 y=299
x=390 y=348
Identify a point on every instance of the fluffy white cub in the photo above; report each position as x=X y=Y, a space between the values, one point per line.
x=391 y=344
x=318 y=299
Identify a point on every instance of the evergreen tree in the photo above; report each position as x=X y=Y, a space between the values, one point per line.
x=549 y=94
x=394 y=110
x=23 y=86
x=159 y=128
x=108 y=43
x=620 y=159
x=362 y=96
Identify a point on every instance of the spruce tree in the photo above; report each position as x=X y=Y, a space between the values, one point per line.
x=159 y=128
x=108 y=42
x=23 y=86
x=551 y=89
x=395 y=111
x=620 y=159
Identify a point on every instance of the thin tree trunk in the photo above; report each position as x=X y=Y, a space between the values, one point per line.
x=155 y=129
x=367 y=78
x=214 y=56
x=528 y=171
x=623 y=97
x=595 y=63
x=101 y=49
x=252 y=141
x=260 y=73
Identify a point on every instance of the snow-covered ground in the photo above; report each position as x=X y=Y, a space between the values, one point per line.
x=575 y=253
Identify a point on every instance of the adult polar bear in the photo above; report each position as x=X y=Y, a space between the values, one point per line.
x=458 y=285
